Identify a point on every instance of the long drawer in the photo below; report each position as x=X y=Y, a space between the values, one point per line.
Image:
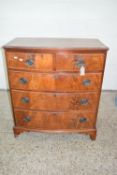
x=55 y=120
x=67 y=82
x=54 y=101
x=92 y=62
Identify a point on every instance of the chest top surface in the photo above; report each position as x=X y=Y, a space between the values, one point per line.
x=56 y=43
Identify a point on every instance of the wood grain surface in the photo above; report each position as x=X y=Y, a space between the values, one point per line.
x=60 y=82
x=48 y=93
x=21 y=60
x=55 y=120
x=55 y=101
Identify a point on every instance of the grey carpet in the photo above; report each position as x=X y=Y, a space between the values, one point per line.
x=60 y=154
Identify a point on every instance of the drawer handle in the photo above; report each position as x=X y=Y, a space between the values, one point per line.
x=83 y=120
x=25 y=100
x=27 y=119
x=86 y=82
x=79 y=62
x=23 y=80
x=29 y=62
x=84 y=101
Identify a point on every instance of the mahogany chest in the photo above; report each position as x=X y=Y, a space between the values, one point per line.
x=55 y=84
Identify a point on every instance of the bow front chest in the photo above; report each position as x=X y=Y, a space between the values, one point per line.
x=55 y=84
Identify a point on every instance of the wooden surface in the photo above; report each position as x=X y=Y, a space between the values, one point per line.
x=42 y=62
x=54 y=101
x=56 y=43
x=48 y=93
x=53 y=82
x=61 y=62
x=69 y=61
x=55 y=120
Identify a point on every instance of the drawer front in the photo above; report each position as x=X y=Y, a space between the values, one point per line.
x=55 y=120
x=73 y=62
x=30 y=61
x=74 y=82
x=55 y=101
x=31 y=81
x=54 y=82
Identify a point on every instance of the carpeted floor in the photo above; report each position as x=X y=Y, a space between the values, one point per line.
x=60 y=154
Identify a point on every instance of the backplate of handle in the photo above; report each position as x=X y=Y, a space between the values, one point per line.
x=79 y=62
x=83 y=119
x=25 y=100
x=86 y=82
x=23 y=80
x=27 y=119
x=84 y=101
x=30 y=60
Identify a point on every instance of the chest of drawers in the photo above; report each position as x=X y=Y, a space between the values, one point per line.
x=55 y=84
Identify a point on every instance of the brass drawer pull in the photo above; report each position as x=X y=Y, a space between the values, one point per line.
x=29 y=62
x=79 y=62
x=84 y=101
x=27 y=119
x=25 y=100
x=86 y=82
x=23 y=80
x=83 y=120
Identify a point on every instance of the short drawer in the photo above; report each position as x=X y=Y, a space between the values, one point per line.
x=64 y=82
x=54 y=101
x=92 y=62
x=55 y=120
x=30 y=61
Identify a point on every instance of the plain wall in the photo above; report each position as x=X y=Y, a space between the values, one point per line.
x=61 y=18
